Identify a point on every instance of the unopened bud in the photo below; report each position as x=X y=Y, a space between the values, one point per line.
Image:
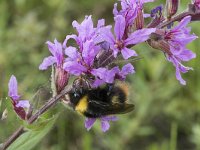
x=61 y=79
x=139 y=20
x=171 y=7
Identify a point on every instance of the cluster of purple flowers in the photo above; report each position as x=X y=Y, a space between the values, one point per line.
x=178 y=38
x=88 y=59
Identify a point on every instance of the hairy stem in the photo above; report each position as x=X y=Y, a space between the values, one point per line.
x=50 y=103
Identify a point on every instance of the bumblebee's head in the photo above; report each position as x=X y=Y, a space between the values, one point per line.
x=80 y=85
x=75 y=95
x=74 y=99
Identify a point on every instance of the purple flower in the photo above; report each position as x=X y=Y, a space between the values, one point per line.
x=86 y=31
x=119 y=43
x=130 y=9
x=157 y=10
x=80 y=62
x=127 y=69
x=61 y=76
x=178 y=38
x=18 y=104
x=89 y=122
x=57 y=57
x=105 y=75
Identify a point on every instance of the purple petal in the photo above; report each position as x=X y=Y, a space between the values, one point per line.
x=89 y=122
x=100 y=72
x=115 y=50
x=74 y=68
x=105 y=126
x=127 y=53
x=125 y=4
x=179 y=77
x=109 y=75
x=101 y=23
x=23 y=104
x=105 y=122
x=106 y=75
x=12 y=88
x=89 y=52
x=179 y=68
x=139 y=36
x=97 y=83
x=115 y=11
x=146 y=15
x=58 y=52
x=109 y=118
x=107 y=35
x=72 y=52
x=48 y=61
x=127 y=69
x=105 y=45
x=119 y=26
x=183 y=23
x=186 y=55
x=85 y=29
x=51 y=47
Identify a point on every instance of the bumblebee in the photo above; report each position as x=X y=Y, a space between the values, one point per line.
x=94 y=103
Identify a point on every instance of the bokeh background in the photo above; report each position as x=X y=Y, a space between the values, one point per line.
x=166 y=115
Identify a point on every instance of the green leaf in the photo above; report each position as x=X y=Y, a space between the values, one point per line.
x=31 y=138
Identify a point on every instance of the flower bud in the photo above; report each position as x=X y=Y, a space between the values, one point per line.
x=61 y=79
x=139 y=20
x=171 y=7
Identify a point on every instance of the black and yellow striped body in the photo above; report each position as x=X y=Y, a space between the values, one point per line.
x=102 y=101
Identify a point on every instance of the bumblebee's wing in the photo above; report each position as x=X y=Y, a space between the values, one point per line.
x=100 y=108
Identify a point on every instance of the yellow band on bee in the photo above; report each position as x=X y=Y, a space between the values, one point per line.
x=82 y=105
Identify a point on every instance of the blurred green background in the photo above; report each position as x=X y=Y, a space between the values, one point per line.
x=166 y=115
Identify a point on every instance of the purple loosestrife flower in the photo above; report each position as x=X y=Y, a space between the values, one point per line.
x=108 y=76
x=57 y=58
x=80 y=61
x=86 y=31
x=19 y=105
x=178 y=38
x=78 y=64
x=119 y=43
x=130 y=9
x=89 y=122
